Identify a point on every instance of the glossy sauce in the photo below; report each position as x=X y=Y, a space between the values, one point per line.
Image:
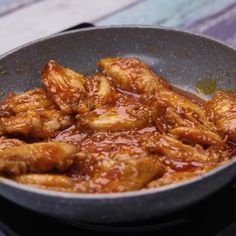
x=109 y=144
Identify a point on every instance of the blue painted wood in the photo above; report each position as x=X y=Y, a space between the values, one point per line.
x=216 y=18
x=221 y=25
x=168 y=13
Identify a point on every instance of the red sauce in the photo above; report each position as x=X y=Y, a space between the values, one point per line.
x=111 y=143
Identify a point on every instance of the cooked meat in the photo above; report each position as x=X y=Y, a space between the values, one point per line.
x=175 y=149
x=31 y=114
x=118 y=174
x=41 y=124
x=198 y=136
x=37 y=158
x=122 y=129
x=222 y=110
x=9 y=142
x=173 y=178
x=174 y=110
x=48 y=181
x=117 y=118
x=65 y=86
x=100 y=92
x=127 y=174
x=131 y=74
x=33 y=100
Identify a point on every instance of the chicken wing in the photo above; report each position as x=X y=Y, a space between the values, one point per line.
x=124 y=175
x=116 y=118
x=198 y=136
x=100 y=91
x=48 y=181
x=65 y=86
x=9 y=142
x=128 y=168
x=37 y=158
x=131 y=74
x=174 y=110
x=41 y=124
x=177 y=150
x=222 y=110
x=173 y=178
x=34 y=99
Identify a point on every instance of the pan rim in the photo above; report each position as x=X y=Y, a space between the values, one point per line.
x=128 y=194
x=173 y=29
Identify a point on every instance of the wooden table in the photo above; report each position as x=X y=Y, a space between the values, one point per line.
x=215 y=18
x=25 y=20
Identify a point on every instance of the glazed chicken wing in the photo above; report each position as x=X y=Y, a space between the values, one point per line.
x=116 y=118
x=37 y=158
x=222 y=110
x=41 y=124
x=65 y=86
x=34 y=99
x=125 y=175
x=173 y=178
x=177 y=150
x=31 y=114
x=126 y=169
x=123 y=168
x=131 y=74
x=9 y=142
x=100 y=92
x=174 y=110
x=111 y=110
x=198 y=136
x=48 y=181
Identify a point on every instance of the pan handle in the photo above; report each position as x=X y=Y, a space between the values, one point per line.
x=79 y=26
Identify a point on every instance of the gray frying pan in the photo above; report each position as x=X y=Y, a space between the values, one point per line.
x=181 y=57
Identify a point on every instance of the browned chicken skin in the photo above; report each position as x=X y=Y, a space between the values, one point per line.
x=131 y=74
x=48 y=181
x=173 y=178
x=175 y=149
x=122 y=129
x=125 y=174
x=7 y=142
x=35 y=99
x=198 y=136
x=175 y=110
x=222 y=110
x=37 y=158
x=115 y=174
x=64 y=86
x=31 y=114
x=42 y=124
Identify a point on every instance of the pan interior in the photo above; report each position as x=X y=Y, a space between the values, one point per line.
x=186 y=60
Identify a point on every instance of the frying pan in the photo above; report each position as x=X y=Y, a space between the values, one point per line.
x=183 y=58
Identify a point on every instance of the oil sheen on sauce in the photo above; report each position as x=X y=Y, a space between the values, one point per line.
x=112 y=143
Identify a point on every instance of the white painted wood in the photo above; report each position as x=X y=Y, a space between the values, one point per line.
x=51 y=16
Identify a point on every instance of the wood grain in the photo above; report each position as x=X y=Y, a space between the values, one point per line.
x=22 y=21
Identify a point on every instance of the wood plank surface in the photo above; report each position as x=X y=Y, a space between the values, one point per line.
x=22 y=21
